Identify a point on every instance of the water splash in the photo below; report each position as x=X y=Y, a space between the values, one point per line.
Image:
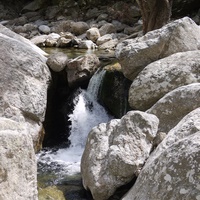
x=87 y=113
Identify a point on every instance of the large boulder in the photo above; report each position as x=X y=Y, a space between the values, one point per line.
x=175 y=105
x=172 y=170
x=178 y=36
x=24 y=78
x=162 y=76
x=18 y=166
x=186 y=127
x=82 y=68
x=115 y=152
x=11 y=34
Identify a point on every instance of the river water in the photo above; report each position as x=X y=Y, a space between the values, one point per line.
x=62 y=166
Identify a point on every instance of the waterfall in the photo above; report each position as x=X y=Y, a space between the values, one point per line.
x=87 y=113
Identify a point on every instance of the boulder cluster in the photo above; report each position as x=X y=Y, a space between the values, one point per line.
x=158 y=140
x=98 y=27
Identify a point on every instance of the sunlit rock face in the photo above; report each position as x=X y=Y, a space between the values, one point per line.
x=18 y=169
x=81 y=68
x=163 y=76
x=178 y=36
x=171 y=171
x=115 y=152
x=24 y=79
x=175 y=105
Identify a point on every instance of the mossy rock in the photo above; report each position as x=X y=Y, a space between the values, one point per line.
x=114 y=90
x=50 y=193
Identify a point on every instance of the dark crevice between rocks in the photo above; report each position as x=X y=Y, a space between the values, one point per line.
x=59 y=105
x=121 y=191
x=56 y=123
x=113 y=93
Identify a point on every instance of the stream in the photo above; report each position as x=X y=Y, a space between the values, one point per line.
x=60 y=167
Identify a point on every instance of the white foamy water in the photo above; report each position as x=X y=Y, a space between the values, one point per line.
x=87 y=113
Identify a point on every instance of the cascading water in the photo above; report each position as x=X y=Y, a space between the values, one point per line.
x=87 y=113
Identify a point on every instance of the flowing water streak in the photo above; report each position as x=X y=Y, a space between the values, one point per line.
x=87 y=113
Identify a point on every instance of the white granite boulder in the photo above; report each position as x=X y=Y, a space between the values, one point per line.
x=115 y=152
x=24 y=79
x=175 y=105
x=163 y=76
x=178 y=36
x=172 y=170
x=18 y=166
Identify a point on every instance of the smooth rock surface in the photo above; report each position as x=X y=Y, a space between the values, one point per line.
x=11 y=34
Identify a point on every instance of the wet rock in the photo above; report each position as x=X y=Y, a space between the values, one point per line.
x=163 y=76
x=114 y=90
x=115 y=152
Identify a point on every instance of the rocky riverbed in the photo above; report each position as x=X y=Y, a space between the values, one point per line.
x=156 y=143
